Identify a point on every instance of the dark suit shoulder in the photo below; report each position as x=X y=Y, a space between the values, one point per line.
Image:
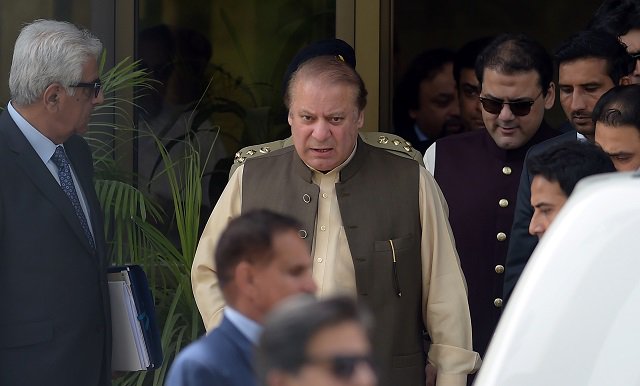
x=217 y=358
x=540 y=147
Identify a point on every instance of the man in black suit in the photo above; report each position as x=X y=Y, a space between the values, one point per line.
x=589 y=63
x=55 y=319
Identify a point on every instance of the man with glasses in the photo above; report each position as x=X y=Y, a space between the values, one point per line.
x=56 y=325
x=478 y=171
x=317 y=343
x=589 y=63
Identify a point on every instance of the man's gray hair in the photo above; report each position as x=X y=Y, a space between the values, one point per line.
x=46 y=52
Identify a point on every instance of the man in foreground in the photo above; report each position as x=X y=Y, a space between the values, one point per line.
x=261 y=261
x=401 y=263
x=56 y=324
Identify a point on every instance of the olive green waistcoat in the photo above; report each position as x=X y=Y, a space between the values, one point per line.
x=378 y=200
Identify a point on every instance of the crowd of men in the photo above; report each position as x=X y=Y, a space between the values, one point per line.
x=412 y=255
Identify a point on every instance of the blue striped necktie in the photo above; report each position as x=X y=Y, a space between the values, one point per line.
x=66 y=183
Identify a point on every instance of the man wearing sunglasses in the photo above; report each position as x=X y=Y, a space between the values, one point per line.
x=478 y=171
x=317 y=343
x=621 y=18
x=589 y=63
x=467 y=83
x=55 y=318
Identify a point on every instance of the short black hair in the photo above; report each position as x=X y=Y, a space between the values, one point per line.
x=616 y=17
x=600 y=45
x=249 y=237
x=424 y=66
x=619 y=106
x=289 y=329
x=468 y=54
x=516 y=53
x=569 y=162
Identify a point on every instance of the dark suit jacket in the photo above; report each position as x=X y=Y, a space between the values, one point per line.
x=522 y=244
x=222 y=358
x=54 y=323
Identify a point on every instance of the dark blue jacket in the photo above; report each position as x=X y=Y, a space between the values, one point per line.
x=224 y=357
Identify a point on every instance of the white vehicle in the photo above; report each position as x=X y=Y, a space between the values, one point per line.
x=574 y=316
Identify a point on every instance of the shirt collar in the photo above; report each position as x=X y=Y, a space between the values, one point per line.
x=249 y=328
x=580 y=137
x=43 y=146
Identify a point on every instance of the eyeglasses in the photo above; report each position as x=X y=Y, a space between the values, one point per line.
x=519 y=108
x=96 y=85
x=342 y=366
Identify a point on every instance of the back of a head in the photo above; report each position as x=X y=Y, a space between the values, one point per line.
x=468 y=54
x=569 y=162
x=512 y=54
x=329 y=70
x=249 y=237
x=619 y=107
x=616 y=17
x=600 y=45
x=290 y=327
x=425 y=66
x=46 y=52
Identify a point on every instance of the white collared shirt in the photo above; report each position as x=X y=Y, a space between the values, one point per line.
x=249 y=328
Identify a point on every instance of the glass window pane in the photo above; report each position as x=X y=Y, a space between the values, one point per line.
x=220 y=65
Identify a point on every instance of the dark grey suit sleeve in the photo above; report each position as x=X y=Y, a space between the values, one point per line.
x=522 y=244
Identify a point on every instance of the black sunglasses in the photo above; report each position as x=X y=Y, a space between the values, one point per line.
x=96 y=85
x=519 y=108
x=342 y=366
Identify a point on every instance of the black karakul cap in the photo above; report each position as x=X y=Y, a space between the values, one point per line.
x=336 y=47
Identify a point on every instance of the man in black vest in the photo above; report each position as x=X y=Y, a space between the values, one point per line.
x=589 y=64
x=376 y=224
x=478 y=171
